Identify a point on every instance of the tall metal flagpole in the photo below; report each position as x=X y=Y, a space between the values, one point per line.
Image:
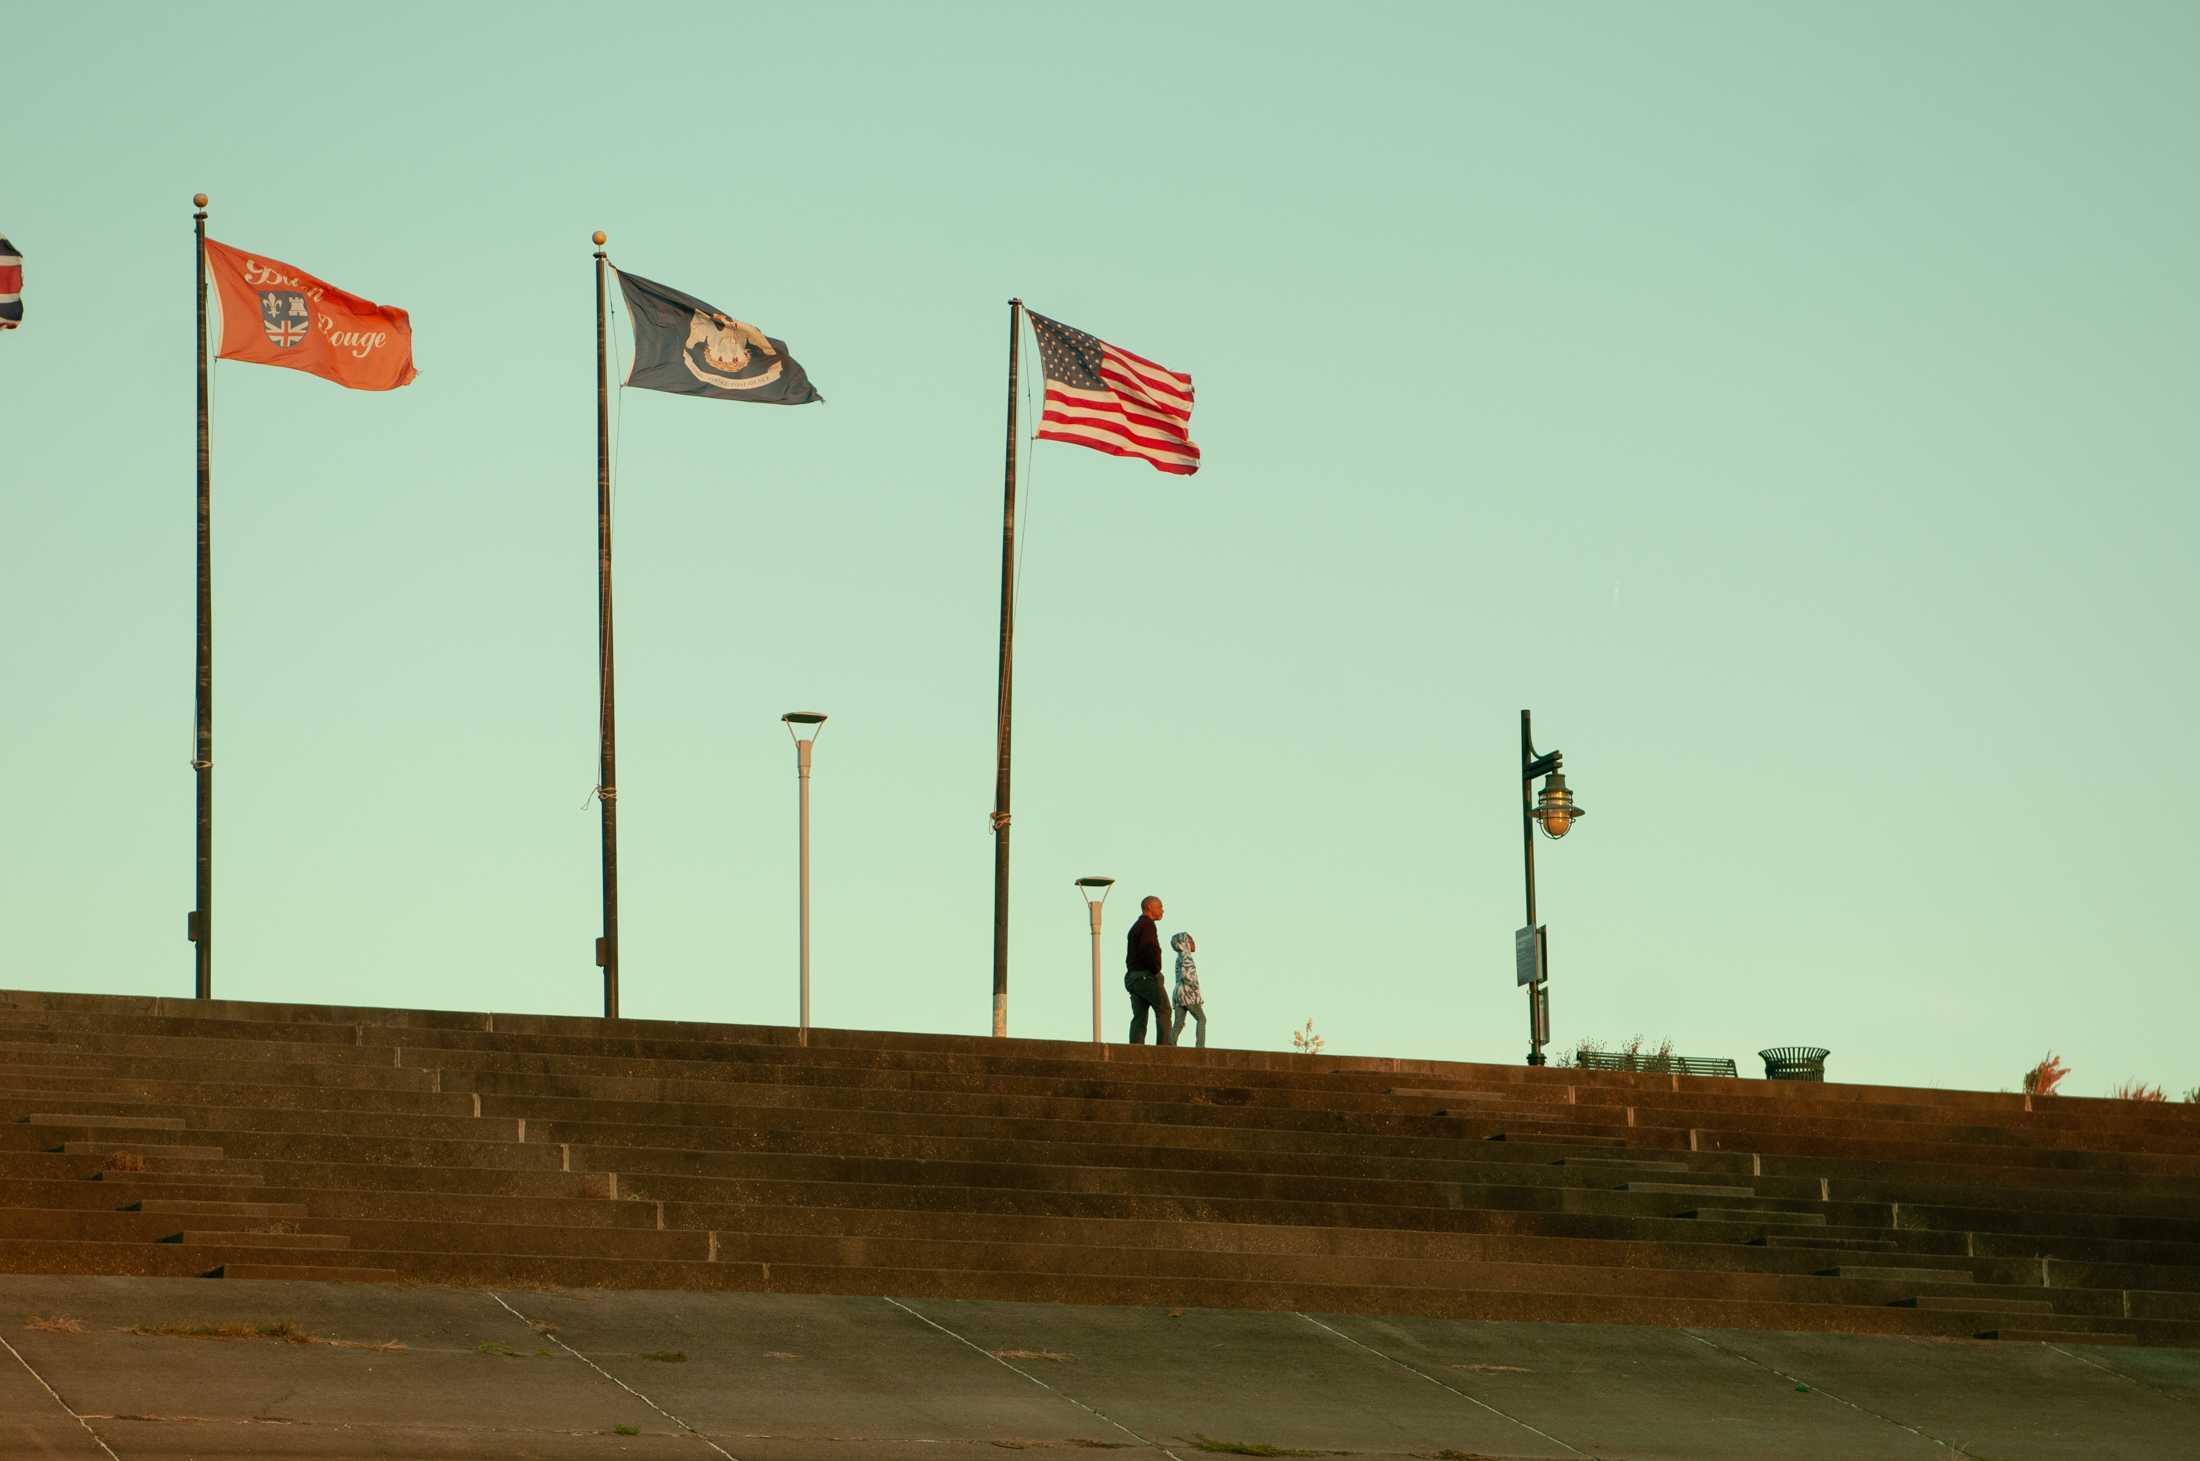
x=201 y=923
x=607 y=784
x=1008 y=660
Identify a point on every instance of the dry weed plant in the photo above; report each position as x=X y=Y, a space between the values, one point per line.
x=54 y=1323
x=2042 y=1079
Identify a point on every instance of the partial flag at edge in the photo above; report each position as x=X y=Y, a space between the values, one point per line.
x=11 y=286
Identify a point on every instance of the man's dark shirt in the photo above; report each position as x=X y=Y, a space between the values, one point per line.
x=1144 y=953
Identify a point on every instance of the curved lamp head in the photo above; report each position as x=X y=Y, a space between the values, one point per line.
x=1094 y=890
x=804 y=725
x=1554 y=807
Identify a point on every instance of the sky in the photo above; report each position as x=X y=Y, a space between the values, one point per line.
x=1791 y=405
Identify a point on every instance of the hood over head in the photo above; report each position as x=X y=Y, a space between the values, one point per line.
x=1178 y=941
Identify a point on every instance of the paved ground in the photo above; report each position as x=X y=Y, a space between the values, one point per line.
x=576 y=1376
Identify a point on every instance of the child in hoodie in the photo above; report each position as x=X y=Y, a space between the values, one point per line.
x=1187 y=999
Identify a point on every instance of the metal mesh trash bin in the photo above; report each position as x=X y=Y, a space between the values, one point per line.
x=1795 y=1062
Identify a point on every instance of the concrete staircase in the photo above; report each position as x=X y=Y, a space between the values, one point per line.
x=238 y=1140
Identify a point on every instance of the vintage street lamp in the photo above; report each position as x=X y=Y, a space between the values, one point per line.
x=803 y=726
x=1095 y=892
x=1554 y=808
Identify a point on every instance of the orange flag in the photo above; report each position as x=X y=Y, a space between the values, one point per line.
x=273 y=314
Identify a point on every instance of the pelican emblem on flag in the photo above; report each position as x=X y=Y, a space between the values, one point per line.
x=285 y=317
x=723 y=352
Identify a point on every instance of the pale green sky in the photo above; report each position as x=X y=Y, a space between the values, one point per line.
x=1792 y=404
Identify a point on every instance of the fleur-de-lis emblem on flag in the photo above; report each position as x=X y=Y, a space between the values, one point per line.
x=285 y=317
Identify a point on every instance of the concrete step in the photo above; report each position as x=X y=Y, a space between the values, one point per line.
x=1798 y=1240
x=1768 y=1217
x=186 y=1207
x=213 y=1239
x=300 y=1272
x=1980 y=1306
x=1639 y=1164
x=2058 y=1336
x=171 y=1150
x=120 y=1123
x=1687 y=1189
x=1902 y=1274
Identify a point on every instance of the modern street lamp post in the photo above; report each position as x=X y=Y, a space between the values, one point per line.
x=1095 y=892
x=1556 y=810
x=803 y=727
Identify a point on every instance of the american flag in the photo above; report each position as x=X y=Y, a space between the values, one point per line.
x=1102 y=396
x=11 y=286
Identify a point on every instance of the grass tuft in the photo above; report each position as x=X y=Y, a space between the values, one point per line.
x=499 y=1349
x=626 y=1430
x=1243 y=1448
x=666 y=1356
x=124 y=1162
x=54 y=1323
x=1051 y=1356
x=286 y=1330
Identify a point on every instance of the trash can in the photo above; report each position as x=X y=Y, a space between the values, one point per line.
x=1795 y=1062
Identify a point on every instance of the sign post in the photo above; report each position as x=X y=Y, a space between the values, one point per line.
x=1532 y=970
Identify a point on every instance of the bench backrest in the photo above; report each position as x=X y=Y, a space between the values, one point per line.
x=1660 y=1064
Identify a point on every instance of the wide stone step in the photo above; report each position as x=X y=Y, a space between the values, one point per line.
x=120 y=1123
x=202 y=1237
x=194 y=1207
x=171 y=1149
x=215 y=1175
x=1688 y=1189
x=1812 y=1240
x=1903 y=1274
x=2151 y=1304
x=2058 y=1336
x=306 y=1273
x=1771 y=1217
x=1638 y=1164
x=1980 y=1306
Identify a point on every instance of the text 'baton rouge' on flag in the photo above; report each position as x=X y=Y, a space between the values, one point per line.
x=273 y=314
x=11 y=286
x=684 y=346
x=1102 y=396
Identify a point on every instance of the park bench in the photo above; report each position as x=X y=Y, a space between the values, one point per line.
x=1657 y=1064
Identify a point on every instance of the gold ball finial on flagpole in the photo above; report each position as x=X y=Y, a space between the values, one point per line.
x=599 y=236
x=198 y=200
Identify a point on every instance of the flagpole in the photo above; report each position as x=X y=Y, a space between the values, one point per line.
x=607 y=784
x=201 y=923
x=1008 y=661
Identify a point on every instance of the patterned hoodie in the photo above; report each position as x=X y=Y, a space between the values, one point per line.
x=1187 y=973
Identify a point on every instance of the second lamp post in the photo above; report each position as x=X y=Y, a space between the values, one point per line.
x=803 y=726
x=1095 y=892
x=1555 y=809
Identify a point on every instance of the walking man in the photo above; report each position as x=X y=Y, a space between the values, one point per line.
x=1142 y=976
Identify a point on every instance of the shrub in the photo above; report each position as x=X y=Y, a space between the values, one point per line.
x=1658 y=1061
x=1305 y=1041
x=2042 y=1079
x=2137 y=1091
